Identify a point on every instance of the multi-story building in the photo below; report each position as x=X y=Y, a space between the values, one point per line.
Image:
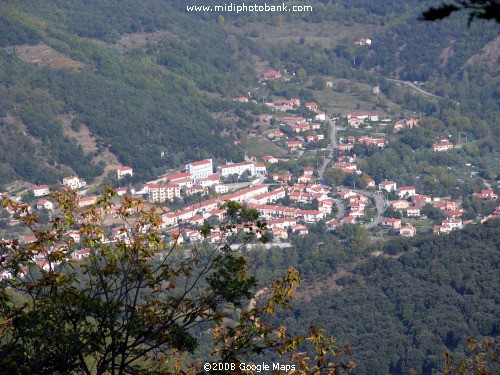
x=40 y=191
x=163 y=192
x=235 y=168
x=73 y=182
x=124 y=171
x=200 y=169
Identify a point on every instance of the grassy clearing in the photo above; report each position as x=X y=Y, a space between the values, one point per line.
x=325 y=34
x=351 y=101
x=260 y=146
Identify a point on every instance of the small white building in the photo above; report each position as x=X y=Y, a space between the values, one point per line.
x=452 y=224
x=40 y=191
x=406 y=191
x=124 y=171
x=221 y=189
x=388 y=186
x=44 y=204
x=73 y=182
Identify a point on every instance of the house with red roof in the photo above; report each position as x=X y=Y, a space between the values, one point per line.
x=442 y=145
x=273 y=74
x=304 y=179
x=269 y=159
x=299 y=128
x=282 y=177
x=210 y=180
x=390 y=222
x=405 y=124
x=486 y=194
x=40 y=190
x=124 y=171
x=287 y=102
x=278 y=134
x=400 y=204
x=413 y=211
x=408 y=231
x=87 y=201
x=312 y=106
x=293 y=145
x=44 y=204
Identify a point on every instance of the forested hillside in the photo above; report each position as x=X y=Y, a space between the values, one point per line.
x=143 y=78
x=402 y=313
x=149 y=79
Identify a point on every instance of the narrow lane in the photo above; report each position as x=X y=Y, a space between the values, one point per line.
x=333 y=147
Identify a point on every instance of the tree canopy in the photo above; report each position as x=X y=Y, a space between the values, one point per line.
x=84 y=298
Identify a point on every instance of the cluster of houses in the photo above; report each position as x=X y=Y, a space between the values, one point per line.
x=401 y=125
x=198 y=177
x=349 y=143
x=411 y=203
x=303 y=131
x=356 y=119
x=347 y=164
x=356 y=204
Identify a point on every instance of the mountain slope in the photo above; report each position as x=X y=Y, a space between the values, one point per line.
x=138 y=104
x=400 y=314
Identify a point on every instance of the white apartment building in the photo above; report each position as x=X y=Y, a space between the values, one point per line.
x=200 y=169
x=163 y=192
x=235 y=168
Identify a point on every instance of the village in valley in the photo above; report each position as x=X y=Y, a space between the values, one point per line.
x=291 y=181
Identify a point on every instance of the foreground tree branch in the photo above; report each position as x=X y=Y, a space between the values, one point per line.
x=476 y=9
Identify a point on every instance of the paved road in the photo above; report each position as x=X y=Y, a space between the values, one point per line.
x=380 y=204
x=415 y=87
x=333 y=146
x=341 y=213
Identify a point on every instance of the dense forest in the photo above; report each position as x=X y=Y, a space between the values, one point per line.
x=400 y=311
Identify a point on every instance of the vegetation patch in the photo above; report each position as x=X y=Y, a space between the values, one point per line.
x=44 y=55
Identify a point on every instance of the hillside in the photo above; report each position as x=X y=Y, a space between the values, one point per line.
x=87 y=85
x=402 y=313
x=142 y=79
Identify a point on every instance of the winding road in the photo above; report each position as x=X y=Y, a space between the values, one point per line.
x=379 y=200
x=415 y=87
x=380 y=205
